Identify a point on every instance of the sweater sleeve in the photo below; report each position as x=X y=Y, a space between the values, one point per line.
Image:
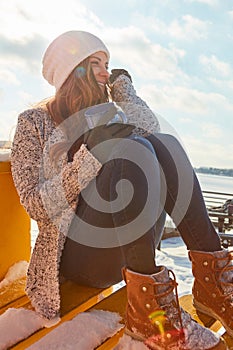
x=137 y=111
x=44 y=197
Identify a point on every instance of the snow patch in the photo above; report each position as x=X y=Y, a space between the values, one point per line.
x=85 y=331
x=17 y=324
x=16 y=271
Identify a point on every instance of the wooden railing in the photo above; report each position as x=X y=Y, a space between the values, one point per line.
x=219 y=212
x=221 y=219
x=215 y=199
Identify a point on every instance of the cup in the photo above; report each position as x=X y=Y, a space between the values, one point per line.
x=94 y=114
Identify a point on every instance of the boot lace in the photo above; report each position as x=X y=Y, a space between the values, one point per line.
x=174 y=338
x=223 y=266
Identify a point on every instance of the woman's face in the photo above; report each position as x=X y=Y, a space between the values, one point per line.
x=99 y=64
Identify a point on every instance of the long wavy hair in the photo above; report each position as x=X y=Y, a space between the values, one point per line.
x=79 y=91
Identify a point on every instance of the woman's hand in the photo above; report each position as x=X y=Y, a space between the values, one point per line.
x=115 y=73
x=106 y=129
x=99 y=134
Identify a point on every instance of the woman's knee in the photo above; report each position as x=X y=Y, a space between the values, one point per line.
x=167 y=140
x=143 y=141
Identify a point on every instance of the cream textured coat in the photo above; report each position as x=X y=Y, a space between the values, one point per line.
x=49 y=192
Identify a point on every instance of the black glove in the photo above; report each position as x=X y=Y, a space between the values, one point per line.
x=102 y=133
x=116 y=73
x=104 y=130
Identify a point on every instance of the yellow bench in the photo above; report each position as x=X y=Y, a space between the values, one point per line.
x=103 y=299
x=15 y=242
x=15 y=246
x=74 y=299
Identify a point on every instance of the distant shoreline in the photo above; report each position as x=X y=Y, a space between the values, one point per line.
x=214 y=171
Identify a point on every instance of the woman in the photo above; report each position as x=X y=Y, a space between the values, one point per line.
x=69 y=179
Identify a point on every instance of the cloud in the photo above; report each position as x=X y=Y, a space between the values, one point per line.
x=188 y=28
x=206 y=2
x=211 y=130
x=184 y=99
x=216 y=67
x=16 y=53
x=24 y=96
x=160 y=50
x=186 y=120
x=230 y=14
x=224 y=85
x=23 y=44
x=206 y=152
x=185 y=28
x=132 y=49
x=44 y=18
x=8 y=77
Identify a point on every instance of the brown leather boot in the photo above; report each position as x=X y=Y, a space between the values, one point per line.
x=153 y=315
x=213 y=285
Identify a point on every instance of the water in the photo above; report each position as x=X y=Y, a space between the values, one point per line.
x=216 y=183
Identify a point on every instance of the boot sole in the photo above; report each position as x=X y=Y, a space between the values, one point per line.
x=220 y=346
x=207 y=311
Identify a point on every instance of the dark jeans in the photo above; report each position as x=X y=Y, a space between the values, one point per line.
x=105 y=237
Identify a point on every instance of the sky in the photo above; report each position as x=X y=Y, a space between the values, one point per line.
x=178 y=52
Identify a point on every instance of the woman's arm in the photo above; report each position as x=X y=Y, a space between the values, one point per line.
x=45 y=197
x=134 y=107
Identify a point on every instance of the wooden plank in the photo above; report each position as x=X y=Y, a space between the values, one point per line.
x=12 y=294
x=20 y=302
x=75 y=299
x=115 y=303
x=186 y=302
x=220 y=215
x=110 y=343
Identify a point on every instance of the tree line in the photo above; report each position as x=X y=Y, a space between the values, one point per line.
x=214 y=171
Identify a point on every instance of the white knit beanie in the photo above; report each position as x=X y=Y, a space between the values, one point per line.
x=66 y=52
